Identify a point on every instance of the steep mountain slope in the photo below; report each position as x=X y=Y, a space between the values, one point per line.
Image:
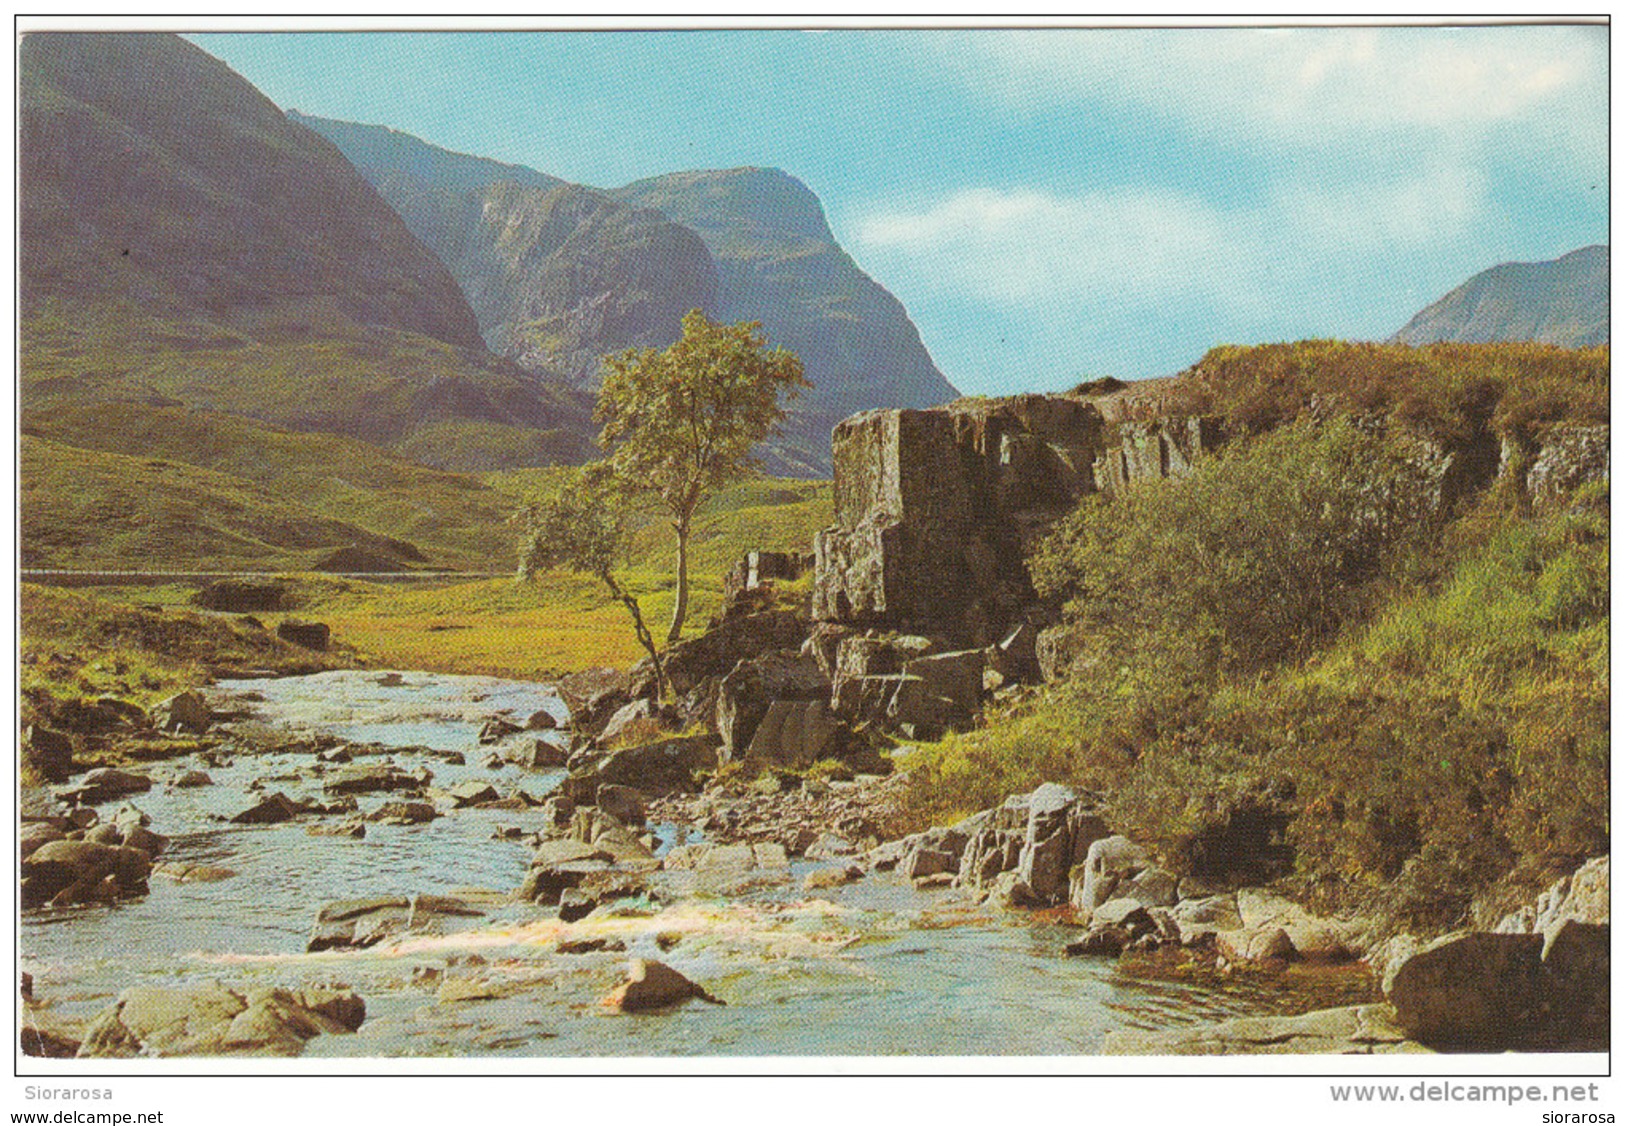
x=779 y=264
x=152 y=172
x=1562 y=302
x=184 y=243
x=557 y=274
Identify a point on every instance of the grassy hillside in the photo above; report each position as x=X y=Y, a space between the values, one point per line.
x=1444 y=388
x=115 y=509
x=303 y=365
x=1295 y=665
x=110 y=484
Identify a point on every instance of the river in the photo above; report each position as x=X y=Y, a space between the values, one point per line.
x=872 y=968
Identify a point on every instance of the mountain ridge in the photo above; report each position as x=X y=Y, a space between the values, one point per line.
x=745 y=243
x=1561 y=301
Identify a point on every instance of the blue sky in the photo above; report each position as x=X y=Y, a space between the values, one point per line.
x=1051 y=205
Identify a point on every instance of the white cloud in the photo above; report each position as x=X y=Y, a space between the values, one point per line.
x=1124 y=248
x=1312 y=86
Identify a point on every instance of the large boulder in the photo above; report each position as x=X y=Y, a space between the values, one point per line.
x=49 y=753
x=208 y=1019
x=797 y=733
x=746 y=693
x=635 y=718
x=593 y=695
x=1467 y=990
x=306 y=635
x=667 y=766
x=243 y=596
x=715 y=652
x=184 y=711
x=1060 y=831
x=374 y=779
x=1110 y=865
x=64 y=872
x=1571 y=920
x=106 y=784
x=653 y=985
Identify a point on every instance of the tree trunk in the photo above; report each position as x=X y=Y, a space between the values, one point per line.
x=645 y=638
x=680 y=611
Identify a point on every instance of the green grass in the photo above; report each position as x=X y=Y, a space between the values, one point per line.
x=563 y=621
x=498 y=627
x=1439 y=757
x=303 y=493
x=90 y=643
x=301 y=365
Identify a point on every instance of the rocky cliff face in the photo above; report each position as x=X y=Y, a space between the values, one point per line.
x=936 y=510
x=778 y=263
x=151 y=172
x=557 y=274
x=1562 y=302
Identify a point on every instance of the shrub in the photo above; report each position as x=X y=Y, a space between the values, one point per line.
x=1257 y=557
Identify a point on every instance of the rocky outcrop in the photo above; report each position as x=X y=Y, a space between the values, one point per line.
x=210 y=1020
x=1354 y=1030
x=665 y=766
x=747 y=694
x=714 y=653
x=758 y=570
x=1541 y=980
x=358 y=923
x=61 y=872
x=1563 y=459
x=936 y=512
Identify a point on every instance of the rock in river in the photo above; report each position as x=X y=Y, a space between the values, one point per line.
x=210 y=1020
x=653 y=985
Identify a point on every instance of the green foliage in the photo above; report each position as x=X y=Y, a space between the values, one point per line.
x=1260 y=555
x=1447 y=390
x=1290 y=672
x=581 y=526
x=577 y=525
x=681 y=421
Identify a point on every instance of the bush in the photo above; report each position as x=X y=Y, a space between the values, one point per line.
x=1257 y=557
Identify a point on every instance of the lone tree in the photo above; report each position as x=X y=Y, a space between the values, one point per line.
x=680 y=422
x=582 y=525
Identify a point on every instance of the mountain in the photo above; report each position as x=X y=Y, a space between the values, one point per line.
x=1562 y=302
x=560 y=274
x=152 y=172
x=780 y=264
x=557 y=274
x=184 y=244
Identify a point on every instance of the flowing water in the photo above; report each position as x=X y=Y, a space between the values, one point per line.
x=873 y=968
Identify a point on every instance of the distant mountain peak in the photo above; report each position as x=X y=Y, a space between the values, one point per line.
x=770 y=200
x=1563 y=301
x=560 y=274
